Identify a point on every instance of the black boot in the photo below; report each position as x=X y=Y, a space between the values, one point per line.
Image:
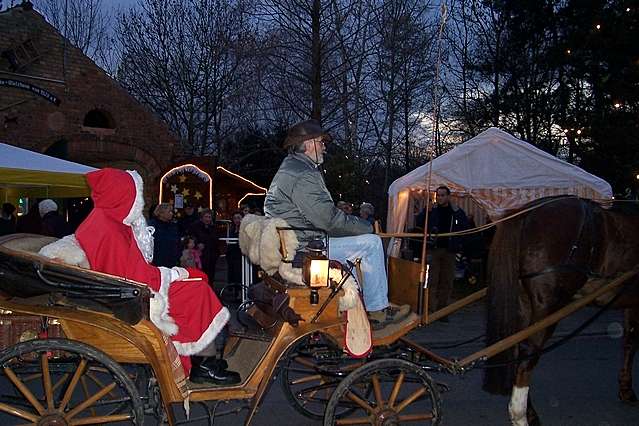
x=214 y=371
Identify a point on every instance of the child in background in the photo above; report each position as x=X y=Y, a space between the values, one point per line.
x=191 y=255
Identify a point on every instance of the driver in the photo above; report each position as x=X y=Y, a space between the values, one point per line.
x=299 y=195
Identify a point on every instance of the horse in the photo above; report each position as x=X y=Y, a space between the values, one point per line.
x=541 y=260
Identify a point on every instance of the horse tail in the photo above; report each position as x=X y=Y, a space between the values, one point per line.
x=503 y=306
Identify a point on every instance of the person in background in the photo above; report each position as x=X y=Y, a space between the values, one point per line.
x=203 y=231
x=233 y=252
x=53 y=224
x=443 y=218
x=192 y=254
x=344 y=206
x=166 y=247
x=367 y=212
x=245 y=209
x=7 y=219
x=30 y=223
x=189 y=217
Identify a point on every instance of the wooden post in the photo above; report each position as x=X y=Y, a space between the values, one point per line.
x=455 y=306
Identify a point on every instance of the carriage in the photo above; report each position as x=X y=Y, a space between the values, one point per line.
x=99 y=360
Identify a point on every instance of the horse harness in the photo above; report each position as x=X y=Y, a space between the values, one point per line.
x=568 y=264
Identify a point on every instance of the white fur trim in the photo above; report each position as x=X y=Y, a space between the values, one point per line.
x=138 y=203
x=250 y=235
x=518 y=405
x=67 y=250
x=193 y=348
x=260 y=240
x=290 y=274
x=159 y=306
x=350 y=299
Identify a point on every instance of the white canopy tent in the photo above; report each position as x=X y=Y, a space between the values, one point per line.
x=28 y=173
x=499 y=171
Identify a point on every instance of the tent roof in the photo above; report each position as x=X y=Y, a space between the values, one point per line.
x=28 y=173
x=495 y=159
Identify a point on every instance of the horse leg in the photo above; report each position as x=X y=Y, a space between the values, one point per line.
x=520 y=408
x=630 y=344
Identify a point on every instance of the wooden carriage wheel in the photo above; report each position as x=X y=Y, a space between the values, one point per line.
x=402 y=394
x=304 y=385
x=62 y=382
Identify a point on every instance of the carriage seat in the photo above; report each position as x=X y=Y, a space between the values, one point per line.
x=266 y=244
x=26 y=243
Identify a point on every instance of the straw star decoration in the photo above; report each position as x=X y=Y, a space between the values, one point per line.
x=186 y=192
x=198 y=195
x=174 y=189
x=182 y=179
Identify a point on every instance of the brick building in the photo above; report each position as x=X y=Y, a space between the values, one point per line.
x=57 y=101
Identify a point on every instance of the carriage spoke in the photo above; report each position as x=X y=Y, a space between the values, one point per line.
x=405 y=403
x=305 y=363
x=18 y=412
x=415 y=417
x=378 y=391
x=98 y=382
x=355 y=421
x=72 y=385
x=359 y=401
x=85 y=389
x=306 y=379
x=23 y=389
x=46 y=381
x=396 y=387
x=89 y=401
x=101 y=419
x=61 y=381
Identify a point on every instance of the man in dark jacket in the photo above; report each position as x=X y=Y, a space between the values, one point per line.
x=444 y=217
x=53 y=224
x=166 y=237
x=299 y=195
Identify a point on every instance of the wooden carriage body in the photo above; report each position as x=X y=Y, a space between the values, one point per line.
x=119 y=325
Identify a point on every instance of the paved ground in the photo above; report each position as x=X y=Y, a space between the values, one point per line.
x=573 y=385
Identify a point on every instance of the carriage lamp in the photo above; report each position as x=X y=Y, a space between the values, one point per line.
x=315 y=268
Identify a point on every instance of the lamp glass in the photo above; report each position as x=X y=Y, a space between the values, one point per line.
x=319 y=273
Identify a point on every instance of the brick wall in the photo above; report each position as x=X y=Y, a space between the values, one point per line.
x=137 y=139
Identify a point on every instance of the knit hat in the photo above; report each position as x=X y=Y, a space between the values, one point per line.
x=47 y=206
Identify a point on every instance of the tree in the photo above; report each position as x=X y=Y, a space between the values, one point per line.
x=189 y=61
x=86 y=24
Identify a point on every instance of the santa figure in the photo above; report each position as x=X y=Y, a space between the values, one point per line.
x=117 y=241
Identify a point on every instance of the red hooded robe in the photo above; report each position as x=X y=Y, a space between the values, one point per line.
x=189 y=311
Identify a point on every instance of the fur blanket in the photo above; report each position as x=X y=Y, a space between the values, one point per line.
x=67 y=250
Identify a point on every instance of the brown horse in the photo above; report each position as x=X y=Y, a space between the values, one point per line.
x=538 y=262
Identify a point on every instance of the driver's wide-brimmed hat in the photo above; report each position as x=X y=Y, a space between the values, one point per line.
x=303 y=131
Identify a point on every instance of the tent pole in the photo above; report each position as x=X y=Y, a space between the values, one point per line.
x=422 y=296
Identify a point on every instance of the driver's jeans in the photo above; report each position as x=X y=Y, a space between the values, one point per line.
x=369 y=248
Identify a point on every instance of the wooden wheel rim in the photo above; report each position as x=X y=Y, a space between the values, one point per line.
x=40 y=405
x=399 y=402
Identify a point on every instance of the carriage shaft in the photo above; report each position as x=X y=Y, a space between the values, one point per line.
x=554 y=318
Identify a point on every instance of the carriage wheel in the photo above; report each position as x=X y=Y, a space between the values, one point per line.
x=402 y=394
x=312 y=369
x=62 y=382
